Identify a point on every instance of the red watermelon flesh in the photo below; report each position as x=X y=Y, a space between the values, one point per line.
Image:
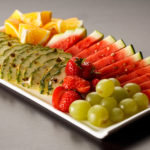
x=138 y=80
x=67 y=39
x=106 y=51
x=120 y=67
x=129 y=68
x=85 y=43
x=145 y=85
x=114 y=57
x=147 y=92
x=137 y=72
x=96 y=47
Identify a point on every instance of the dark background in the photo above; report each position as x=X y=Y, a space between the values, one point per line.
x=26 y=127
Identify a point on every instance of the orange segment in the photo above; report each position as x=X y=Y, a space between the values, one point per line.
x=24 y=27
x=33 y=34
x=70 y=24
x=46 y=17
x=37 y=18
x=16 y=15
x=11 y=27
x=53 y=26
x=50 y=25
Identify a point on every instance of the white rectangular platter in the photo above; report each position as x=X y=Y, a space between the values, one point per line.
x=45 y=102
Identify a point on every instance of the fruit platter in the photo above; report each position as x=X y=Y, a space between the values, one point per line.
x=96 y=83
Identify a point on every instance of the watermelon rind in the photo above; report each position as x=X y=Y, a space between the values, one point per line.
x=81 y=23
x=110 y=39
x=130 y=49
x=61 y=36
x=96 y=34
x=120 y=44
x=147 y=60
x=138 y=56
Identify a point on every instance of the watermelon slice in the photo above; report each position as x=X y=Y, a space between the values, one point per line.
x=145 y=85
x=128 y=69
x=137 y=72
x=115 y=56
x=106 y=51
x=120 y=67
x=67 y=39
x=147 y=92
x=96 y=47
x=138 y=80
x=85 y=43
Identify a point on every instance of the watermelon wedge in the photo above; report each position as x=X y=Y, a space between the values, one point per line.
x=139 y=80
x=67 y=39
x=114 y=57
x=145 y=85
x=137 y=72
x=147 y=92
x=85 y=43
x=120 y=67
x=96 y=47
x=106 y=51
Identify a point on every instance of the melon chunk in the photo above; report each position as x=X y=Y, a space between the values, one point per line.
x=120 y=67
x=67 y=39
x=106 y=51
x=94 y=37
x=114 y=57
x=137 y=71
x=96 y=47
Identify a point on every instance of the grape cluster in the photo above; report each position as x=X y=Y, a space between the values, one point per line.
x=110 y=103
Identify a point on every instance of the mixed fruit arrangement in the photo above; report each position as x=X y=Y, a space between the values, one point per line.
x=100 y=101
x=90 y=77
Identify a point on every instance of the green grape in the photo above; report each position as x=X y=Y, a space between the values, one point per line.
x=109 y=103
x=128 y=106
x=116 y=115
x=120 y=93
x=79 y=109
x=105 y=87
x=132 y=88
x=116 y=82
x=141 y=100
x=93 y=98
x=98 y=115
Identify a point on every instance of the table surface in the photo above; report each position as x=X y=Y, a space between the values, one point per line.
x=24 y=126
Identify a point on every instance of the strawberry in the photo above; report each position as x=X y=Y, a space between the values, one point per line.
x=58 y=92
x=69 y=82
x=76 y=83
x=94 y=83
x=87 y=70
x=79 y=67
x=73 y=66
x=82 y=86
x=67 y=98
